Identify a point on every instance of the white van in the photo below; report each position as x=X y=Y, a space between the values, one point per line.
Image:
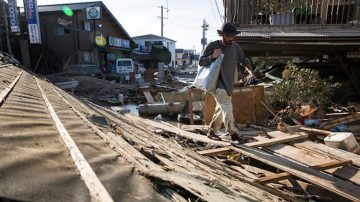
x=124 y=66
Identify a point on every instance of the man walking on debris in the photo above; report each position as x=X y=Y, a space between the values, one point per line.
x=233 y=55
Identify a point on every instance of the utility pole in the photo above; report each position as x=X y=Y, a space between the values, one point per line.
x=162 y=18
x=6 y=26
x=205 y=27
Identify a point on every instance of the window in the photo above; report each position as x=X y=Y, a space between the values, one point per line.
x=62 y=31
x=87 y=26
x=124 y=63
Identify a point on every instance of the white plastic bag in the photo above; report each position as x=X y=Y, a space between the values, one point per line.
x=207 y=77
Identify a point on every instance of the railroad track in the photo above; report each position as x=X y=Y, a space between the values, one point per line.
x=55 y=147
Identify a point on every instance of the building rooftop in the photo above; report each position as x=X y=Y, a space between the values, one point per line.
x=152 y=36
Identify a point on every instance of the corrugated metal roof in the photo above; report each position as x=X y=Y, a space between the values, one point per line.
x=247 y=34
x=72 y=6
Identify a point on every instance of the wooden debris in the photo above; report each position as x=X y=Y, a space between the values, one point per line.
x=315 y=131
x=322 y=149
x=277 y=118
x=8 y=89
x=286 y=175
x=148 y=96
x=193 y=128
x=277 y=140
x=338 y=186
x=214 y=152
x=343 y=120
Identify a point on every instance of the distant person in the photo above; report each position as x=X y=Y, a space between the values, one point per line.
x=233 y=55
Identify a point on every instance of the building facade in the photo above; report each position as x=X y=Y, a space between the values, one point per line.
x=185 y=57
x=69 y=37
x=145 y=43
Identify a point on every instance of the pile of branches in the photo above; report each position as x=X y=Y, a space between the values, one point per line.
x=300 y=87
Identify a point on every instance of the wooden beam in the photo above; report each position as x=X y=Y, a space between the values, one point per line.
x=214 y=152
x=343 y=188
x=92 y=182
x=8 y=89
x=322 y=149
x=262 y=143
x=183 y=133
x=277 y=140
x=317 y=131
x=286 y=175
x=343 y=120
x=193 y=128
x=277 y=118
x=148 y=96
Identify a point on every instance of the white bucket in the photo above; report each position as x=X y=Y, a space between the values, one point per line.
x=344 y=141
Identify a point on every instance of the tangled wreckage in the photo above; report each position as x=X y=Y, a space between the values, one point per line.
x=56 y=146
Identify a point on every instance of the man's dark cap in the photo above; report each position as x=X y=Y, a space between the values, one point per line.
x=229 y=29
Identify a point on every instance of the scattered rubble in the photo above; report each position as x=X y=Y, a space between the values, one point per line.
x=311 y=156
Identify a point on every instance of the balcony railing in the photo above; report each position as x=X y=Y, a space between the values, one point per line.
x=293 y=12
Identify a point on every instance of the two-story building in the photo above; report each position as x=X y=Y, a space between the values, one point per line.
x=69 y=37
x=145 y=43
x=185 y=57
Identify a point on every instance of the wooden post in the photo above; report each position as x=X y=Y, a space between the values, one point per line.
x=191 y=114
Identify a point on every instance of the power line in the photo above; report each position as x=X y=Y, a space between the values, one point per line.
x=212 y=8
x=185 y=26
x=147 y=25
x=217 y=7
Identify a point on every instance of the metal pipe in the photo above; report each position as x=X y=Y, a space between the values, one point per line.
x=161 y=108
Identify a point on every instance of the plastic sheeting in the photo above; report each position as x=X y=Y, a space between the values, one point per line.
x=207 y=77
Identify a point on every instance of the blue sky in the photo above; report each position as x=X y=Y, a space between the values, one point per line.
x=139 y=17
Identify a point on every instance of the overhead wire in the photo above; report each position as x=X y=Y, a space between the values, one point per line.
x=147 y=25
x=217 y=7
x=212 y=8
x=186 y=26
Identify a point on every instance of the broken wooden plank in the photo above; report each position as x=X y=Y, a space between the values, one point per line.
x=8 y=89
x=185 y=134
x=262 y=143
x=214 y=152
x=338 y=186
x=322 y=149
x=343 y=120
x=198 y=95
x=277 y=118
x=148 y=96
x=277 y=140
x=316 y=131
x=286 y=175
x=192 y=128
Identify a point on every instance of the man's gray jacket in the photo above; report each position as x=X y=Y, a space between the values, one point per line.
x=233 y=55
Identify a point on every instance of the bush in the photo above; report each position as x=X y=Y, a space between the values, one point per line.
x=301 y=87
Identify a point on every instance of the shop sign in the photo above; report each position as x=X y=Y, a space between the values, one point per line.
x=13 y=18
x=117 y=42
x=93 y=13
x=33 y=21
x=63 y=22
